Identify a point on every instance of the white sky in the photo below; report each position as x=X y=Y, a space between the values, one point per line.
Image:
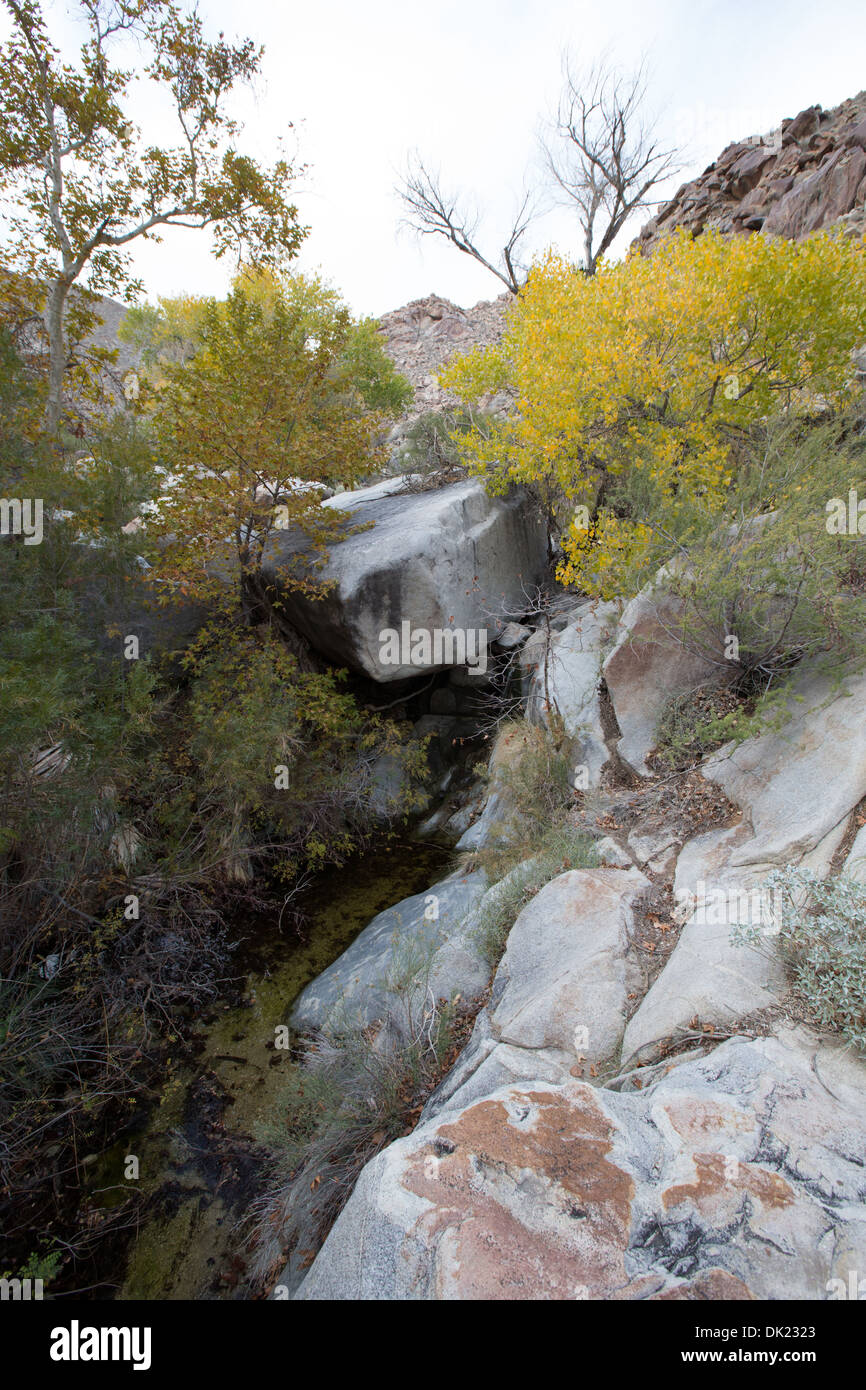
x=466 y=81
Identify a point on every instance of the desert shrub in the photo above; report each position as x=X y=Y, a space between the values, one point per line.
x=432 y=445
x=286 y=760
x=688 y=726
x=130 y=792
x=533 y=841
x=821 y=929
x=636 y=385
x=534 y=789
x=779 y=578
x=778 y=588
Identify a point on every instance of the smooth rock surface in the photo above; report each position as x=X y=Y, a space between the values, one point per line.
x=407 y=938
x=738 y=1175
x=707 y=978
x=567 y=682
x=564 y=979
x=797 y=784
x=449 y=560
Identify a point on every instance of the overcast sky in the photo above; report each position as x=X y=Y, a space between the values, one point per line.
x=466 y=81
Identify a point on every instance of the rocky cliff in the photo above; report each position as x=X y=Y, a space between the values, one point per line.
x=423 y=335
x=808 y=174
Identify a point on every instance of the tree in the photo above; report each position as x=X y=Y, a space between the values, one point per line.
x=265 y=416
x=638 y=385
x=163 y=332
x=81 y=183
x=602 y=155
x=433 y=212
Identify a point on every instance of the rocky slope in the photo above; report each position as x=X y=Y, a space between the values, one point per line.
x=640 y=1111
x=422 y=336
x=809 y=174
x=736 y=1175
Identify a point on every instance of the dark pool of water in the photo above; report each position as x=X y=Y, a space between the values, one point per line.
x=198 y=1163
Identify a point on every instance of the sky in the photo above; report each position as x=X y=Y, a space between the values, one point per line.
x=351 y=86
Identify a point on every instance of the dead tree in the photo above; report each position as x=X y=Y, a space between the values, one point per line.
x=602 y=154
x=431 y=211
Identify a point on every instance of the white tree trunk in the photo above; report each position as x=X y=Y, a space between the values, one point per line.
x=56 y=353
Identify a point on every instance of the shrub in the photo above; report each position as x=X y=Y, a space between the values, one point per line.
x=821 y=927
x=759 y=596
x=432 y=446
x=687 y=728
x=286 y=760
x=652 y=370
x=777 y=577
x=533 y=784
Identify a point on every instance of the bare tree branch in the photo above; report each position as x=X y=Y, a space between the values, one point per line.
x=602 y=153
x=431 y=211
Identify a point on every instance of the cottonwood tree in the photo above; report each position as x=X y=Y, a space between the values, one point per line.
x=602 y=154
x=81 y=184
x=269 y=412
x=432 y=211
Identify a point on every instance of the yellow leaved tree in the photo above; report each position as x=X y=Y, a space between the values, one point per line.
x=636 y=388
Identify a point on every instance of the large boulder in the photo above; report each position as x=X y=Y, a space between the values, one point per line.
x=564 y=979
x=453 y=560
x=736 y=1175
x=565 y=682
x=423 y=943
x=650 y=665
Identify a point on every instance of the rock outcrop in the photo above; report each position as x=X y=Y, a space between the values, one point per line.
x=450 y=560
x=649 y=665
x=800 y=783
x=422 y=336
x=734 y=1176
x=792 y=814
x=565 y=682
x=807 y=175
x=423 y=943
x=575 y=1150
x=565 y=977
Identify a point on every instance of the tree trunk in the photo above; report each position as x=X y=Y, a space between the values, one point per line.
x=258 y=606
x=56 y=353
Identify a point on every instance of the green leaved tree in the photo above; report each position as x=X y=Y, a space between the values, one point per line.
x=81 y=184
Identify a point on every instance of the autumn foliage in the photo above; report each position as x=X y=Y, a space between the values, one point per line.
x=636 y=387
x=277 y=396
